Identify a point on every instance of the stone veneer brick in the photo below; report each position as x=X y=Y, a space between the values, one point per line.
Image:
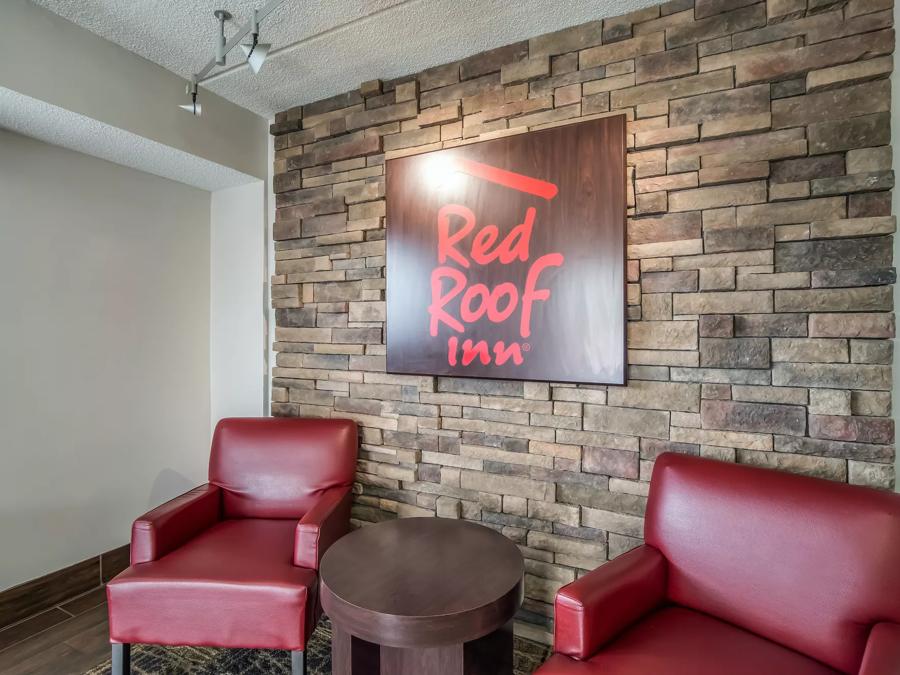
x=760 y=262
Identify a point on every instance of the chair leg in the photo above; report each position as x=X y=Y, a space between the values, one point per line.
x=298 y=662
x=121 y=659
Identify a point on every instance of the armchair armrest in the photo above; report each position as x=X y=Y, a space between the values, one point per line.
x=593 y=609
x=882 y=655
x=170 y=525
x=323 y=524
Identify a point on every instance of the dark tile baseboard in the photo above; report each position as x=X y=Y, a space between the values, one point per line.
x=114 y=561
x=54 y=590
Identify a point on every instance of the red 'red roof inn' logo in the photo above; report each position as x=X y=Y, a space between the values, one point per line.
x=505 y=258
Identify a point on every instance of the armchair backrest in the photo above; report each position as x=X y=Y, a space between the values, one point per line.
x=808 y=563
x=275 y=467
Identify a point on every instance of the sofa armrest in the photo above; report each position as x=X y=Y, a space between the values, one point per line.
x=323 y=524
x=882 y=655
x=595 y=608
x=170 y=525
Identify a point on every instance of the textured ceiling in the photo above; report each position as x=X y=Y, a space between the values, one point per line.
x=49 y=123
x=325 y=47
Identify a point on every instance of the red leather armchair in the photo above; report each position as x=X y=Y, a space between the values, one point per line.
x=744 y=571
x=233 y=563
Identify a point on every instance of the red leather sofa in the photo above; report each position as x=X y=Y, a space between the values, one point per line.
x=744 y=571
x=233 y=563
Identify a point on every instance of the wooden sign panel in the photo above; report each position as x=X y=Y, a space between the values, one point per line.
x=505 y=258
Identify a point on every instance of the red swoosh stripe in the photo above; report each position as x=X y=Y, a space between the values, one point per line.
x=510 y=179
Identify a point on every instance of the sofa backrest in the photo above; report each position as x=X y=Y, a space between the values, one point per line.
x=808 y=563
x=275 y=467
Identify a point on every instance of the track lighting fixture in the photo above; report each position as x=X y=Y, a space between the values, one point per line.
x=256 y=51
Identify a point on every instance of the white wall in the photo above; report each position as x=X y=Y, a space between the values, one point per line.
x=238 y=379
x=104 y=351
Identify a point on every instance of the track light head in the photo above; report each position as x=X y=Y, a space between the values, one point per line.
x=193 y=107
x=256 y=54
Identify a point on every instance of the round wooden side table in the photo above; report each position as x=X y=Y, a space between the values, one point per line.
x=422 y=595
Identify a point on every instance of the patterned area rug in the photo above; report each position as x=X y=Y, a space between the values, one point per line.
x=153 y=660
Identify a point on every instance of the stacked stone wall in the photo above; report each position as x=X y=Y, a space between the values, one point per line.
x=759 y=245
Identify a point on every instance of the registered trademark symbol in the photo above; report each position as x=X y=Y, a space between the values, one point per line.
x=526 y=347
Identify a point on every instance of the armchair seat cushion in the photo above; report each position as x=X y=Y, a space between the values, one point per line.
x=233 y=585
x=680 y=641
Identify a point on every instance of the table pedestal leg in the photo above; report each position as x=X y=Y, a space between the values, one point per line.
x=351 y=655
x=489 y=655
x=436 y=660
x=492 y=654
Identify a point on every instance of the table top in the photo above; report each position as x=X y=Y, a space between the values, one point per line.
x=420 y=580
